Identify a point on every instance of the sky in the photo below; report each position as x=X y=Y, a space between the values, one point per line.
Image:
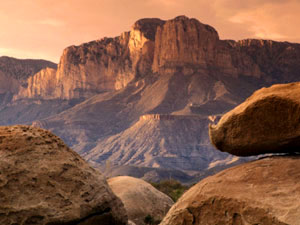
x=41 y=29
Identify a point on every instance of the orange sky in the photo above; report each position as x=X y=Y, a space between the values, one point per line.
x=43 y=28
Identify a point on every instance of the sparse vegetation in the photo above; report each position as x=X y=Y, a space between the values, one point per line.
x=149 y=220
x=173 y=188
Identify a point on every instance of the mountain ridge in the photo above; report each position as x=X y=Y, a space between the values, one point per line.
x=177 y=67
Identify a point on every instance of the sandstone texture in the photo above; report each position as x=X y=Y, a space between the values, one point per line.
x=266 y=191
x=140 y=198
x=42 y=182
x=267 y=122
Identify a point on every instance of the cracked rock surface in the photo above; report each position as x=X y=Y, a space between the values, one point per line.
x=42 y=181
x=266 y=191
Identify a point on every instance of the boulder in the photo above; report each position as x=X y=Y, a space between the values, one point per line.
x=266 y=191
x=42 y=181
x=140 y=198
x=267 y=122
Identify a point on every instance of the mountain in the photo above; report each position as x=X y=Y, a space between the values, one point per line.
x=17 y=75
x=15 y=72
x=178 y=70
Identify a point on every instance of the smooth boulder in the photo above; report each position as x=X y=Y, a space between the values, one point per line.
x=266 y=191
x=267 y=122
x=42 y=181
x=140 y=199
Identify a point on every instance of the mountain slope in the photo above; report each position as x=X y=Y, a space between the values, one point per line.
x=163 y=141
x=176 y=67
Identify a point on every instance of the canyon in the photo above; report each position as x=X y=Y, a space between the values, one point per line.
x=146 y=97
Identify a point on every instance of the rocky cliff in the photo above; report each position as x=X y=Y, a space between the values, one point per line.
x=180 y=45
x=14 y=74
x=177 y=67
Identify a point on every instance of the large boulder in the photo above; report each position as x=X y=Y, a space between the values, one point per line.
x=44 y=182
x=265 y=191
x=140 y=198
x=267 y=122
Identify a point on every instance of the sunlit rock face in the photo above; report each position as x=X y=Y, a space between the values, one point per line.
x=93 y=68
x=183 y=41
x=267 y=122
x=41 y=85
x=14 y=74
x=45 y=182
x=265 y=191
x=142 y=43
x=156 y=47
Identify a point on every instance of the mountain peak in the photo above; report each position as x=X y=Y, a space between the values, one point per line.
x=148 y=26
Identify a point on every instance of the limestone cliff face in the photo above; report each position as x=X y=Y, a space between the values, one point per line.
x=42 y=85
x=182 y=45
x=93 y=68
x=14 y=74
x=183 y=41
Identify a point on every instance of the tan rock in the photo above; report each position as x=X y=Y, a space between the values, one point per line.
x=183 y=41
x=267 y=122
x=265 y=191
x=41 y=85
x=42 y=181
x=140 y=198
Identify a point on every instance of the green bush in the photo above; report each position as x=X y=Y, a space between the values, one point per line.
x=172 y=188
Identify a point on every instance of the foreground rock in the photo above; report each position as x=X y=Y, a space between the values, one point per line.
x=42 y=181
x=140 y=198
x=265 y=191
x=267 y=122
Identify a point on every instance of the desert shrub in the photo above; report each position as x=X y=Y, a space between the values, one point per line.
x=173 y=188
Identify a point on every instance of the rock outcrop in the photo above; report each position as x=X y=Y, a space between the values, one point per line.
x=265 y=191
x=42 y=181
x=140 y=199
x=177 y=67
x=182 y=42
x=21 y=69
x=181 y=45
x=14 y=74
x=41 y=85
x=161 y=141
x=267 y=122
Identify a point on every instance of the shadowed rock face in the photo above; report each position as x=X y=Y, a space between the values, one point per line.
x=45 y=182
x=265 y=192
x=267 y=122
x=140 y=198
